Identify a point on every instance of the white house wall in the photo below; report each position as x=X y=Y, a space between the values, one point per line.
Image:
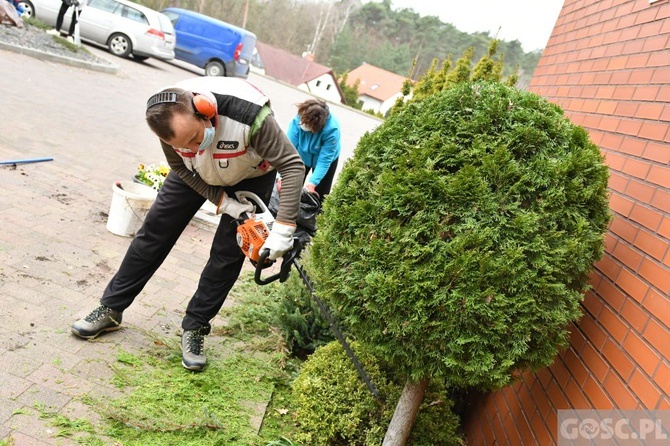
x=387 y=104
x=370 y=103
x=325 y=87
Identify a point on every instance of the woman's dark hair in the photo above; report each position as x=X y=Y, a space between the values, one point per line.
x=313 y=113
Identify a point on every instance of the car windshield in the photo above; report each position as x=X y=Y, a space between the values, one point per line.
x=166 y=24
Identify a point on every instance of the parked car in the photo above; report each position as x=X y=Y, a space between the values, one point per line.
x=220 y=48
x=123 y=26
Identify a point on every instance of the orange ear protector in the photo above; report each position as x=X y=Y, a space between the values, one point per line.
x=203 y=107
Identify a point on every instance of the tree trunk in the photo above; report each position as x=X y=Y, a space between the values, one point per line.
x=246 y=12
x=405 y=413
x=320 y=26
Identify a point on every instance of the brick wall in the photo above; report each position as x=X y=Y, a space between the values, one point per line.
x=607 y=64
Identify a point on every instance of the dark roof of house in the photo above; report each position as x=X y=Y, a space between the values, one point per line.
x=287 y=67
x=294 y=70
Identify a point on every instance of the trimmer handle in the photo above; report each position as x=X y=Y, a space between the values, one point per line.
x=261 y=209
x=284 y=269
x=260 y=266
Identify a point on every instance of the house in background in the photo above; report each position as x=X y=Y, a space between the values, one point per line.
x=301 y=72
x=378 y=89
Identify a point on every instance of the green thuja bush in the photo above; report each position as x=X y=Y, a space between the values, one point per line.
x=303 y=326
x=488 y=69
x=334 y=407
x=458 y=240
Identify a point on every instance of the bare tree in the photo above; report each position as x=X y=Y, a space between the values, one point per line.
x=246 y=12
x=320 y=27
x=333 y=17
x=350 y=6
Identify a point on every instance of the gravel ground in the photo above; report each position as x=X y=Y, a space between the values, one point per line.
x=32 y=37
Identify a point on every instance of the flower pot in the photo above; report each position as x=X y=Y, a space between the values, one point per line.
x=130 y=204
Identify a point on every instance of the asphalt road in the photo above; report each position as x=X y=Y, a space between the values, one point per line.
x=49 y=109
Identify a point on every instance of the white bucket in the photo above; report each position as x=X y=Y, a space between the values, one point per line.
x=130 y=203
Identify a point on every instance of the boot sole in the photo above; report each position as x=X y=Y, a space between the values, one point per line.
x=94 y=335
x=194 y=368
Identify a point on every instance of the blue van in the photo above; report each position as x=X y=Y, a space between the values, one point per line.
x=220 y=48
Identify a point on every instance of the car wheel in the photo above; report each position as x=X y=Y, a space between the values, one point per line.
x=120 y=45
x=28 y=9
x=214 y=69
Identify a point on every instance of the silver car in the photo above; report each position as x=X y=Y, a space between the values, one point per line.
x=123 y=26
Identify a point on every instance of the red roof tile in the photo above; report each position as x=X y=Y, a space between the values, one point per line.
x=375 y=82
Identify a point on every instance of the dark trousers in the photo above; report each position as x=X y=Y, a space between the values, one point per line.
x=323 y=188
x=173 y=209
x=61 y=15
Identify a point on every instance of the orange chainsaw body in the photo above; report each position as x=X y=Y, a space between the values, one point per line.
x=250 y=237
x=251 y=234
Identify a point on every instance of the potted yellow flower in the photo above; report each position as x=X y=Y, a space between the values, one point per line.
x=152 y=175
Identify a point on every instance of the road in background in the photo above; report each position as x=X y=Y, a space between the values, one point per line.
x=284 y=99
x=91 y=118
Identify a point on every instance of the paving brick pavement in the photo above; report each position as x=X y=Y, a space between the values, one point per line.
x=55 y=252
x=56 y=257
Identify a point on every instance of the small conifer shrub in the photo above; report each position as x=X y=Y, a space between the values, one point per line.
x=302 y=324
x=334 y=407
x=458 y=239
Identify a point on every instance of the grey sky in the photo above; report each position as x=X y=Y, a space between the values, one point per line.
x=528 y=21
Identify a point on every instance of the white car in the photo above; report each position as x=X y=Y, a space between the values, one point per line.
x=123 y=26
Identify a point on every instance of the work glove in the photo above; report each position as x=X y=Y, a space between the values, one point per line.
x=233 y=207
x=279 y=241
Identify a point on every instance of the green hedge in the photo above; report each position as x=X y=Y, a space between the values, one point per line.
x=458 y=239
x=333 y=406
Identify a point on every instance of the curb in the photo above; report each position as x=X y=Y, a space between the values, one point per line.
x=104 y=68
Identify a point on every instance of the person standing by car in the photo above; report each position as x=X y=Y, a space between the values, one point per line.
x=315 y=132
x=77 y=6
x=219 y=136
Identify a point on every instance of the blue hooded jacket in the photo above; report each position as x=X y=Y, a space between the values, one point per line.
x=317 y=150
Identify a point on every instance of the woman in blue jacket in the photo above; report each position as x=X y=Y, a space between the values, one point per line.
x=315 y=132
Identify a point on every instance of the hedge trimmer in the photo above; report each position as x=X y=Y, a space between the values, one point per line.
x=251 y=234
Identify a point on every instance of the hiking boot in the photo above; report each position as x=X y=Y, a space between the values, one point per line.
x=99 y=320
x=192 y=346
